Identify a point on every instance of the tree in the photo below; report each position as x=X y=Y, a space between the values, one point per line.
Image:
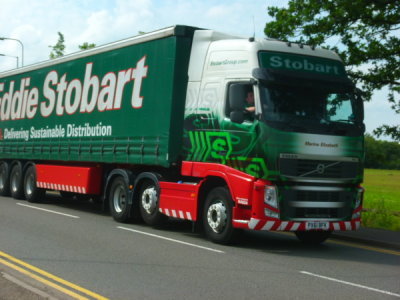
x=365 y=33
x=59 y=48
x=381 y=154
x=86 y=46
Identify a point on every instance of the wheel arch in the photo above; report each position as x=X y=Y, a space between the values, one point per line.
x=141 y=178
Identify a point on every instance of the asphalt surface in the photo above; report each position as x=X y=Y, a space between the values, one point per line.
x=373 y=237
x=78 y=243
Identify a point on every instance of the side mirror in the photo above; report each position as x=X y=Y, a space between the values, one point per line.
x=237 y=116
x=360 y=104
x=237 y=96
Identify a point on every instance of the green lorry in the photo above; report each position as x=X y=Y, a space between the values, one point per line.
x=234 y=133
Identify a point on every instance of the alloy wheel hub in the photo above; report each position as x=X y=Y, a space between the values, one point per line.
x=217 y=217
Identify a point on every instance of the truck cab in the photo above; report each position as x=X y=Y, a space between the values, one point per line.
x=301 y=141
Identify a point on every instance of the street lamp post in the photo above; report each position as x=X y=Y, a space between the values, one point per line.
x=16 y=57
x=22 y=47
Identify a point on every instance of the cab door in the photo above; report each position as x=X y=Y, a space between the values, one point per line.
x=241 y=127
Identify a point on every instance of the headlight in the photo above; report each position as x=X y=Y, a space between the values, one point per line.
x=359 y=197
x=271 y=196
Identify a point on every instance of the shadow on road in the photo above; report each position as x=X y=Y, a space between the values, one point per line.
x=84 y=204
x=287 y=244
x=281 y=243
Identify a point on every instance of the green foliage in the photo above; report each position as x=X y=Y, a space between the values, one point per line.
x=380 y=217
x=365 y=33
x=381 y=154
x=86 y=46
x=392 y=131
x=59 y=48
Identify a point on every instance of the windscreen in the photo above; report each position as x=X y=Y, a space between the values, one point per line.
x=308 y=94
x=311 y=110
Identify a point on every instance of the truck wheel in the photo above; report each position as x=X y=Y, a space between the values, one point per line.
x=31 y=191
x=16 y=182
x=118 y=197
x=4 y=180
x=217 y=216
x=149 y=204
x=313 y=237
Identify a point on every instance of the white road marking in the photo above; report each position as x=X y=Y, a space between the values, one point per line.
x=169 y=239
x=48 y=210
x=352 y=284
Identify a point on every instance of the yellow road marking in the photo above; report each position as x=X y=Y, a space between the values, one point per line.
x=48 y=275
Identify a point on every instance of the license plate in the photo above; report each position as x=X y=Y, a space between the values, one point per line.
x=317 y=225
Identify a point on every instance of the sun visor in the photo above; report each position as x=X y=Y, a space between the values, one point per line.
x=297 y=78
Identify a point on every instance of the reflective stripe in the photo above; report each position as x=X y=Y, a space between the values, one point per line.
x=283 y=226
x=348 y=225
x=253 y=223
x=295 y=226
x=268 y=225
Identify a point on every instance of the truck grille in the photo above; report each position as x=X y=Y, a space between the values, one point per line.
x=298 y=168
x=308 y=202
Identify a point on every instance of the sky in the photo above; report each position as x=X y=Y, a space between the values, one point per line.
x=36 y=23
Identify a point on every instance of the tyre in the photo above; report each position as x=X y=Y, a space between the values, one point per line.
x=149 y=204
x=16 y=182
x=4 y=179
x=118 y=197
x=313 y=237
x=31 y=191
x=217 y=216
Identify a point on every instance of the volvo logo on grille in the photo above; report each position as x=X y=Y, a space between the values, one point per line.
x=320 y=169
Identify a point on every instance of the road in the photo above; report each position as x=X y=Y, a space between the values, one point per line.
x=75 y=246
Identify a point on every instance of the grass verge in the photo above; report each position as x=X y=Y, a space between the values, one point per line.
x=382 y=199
